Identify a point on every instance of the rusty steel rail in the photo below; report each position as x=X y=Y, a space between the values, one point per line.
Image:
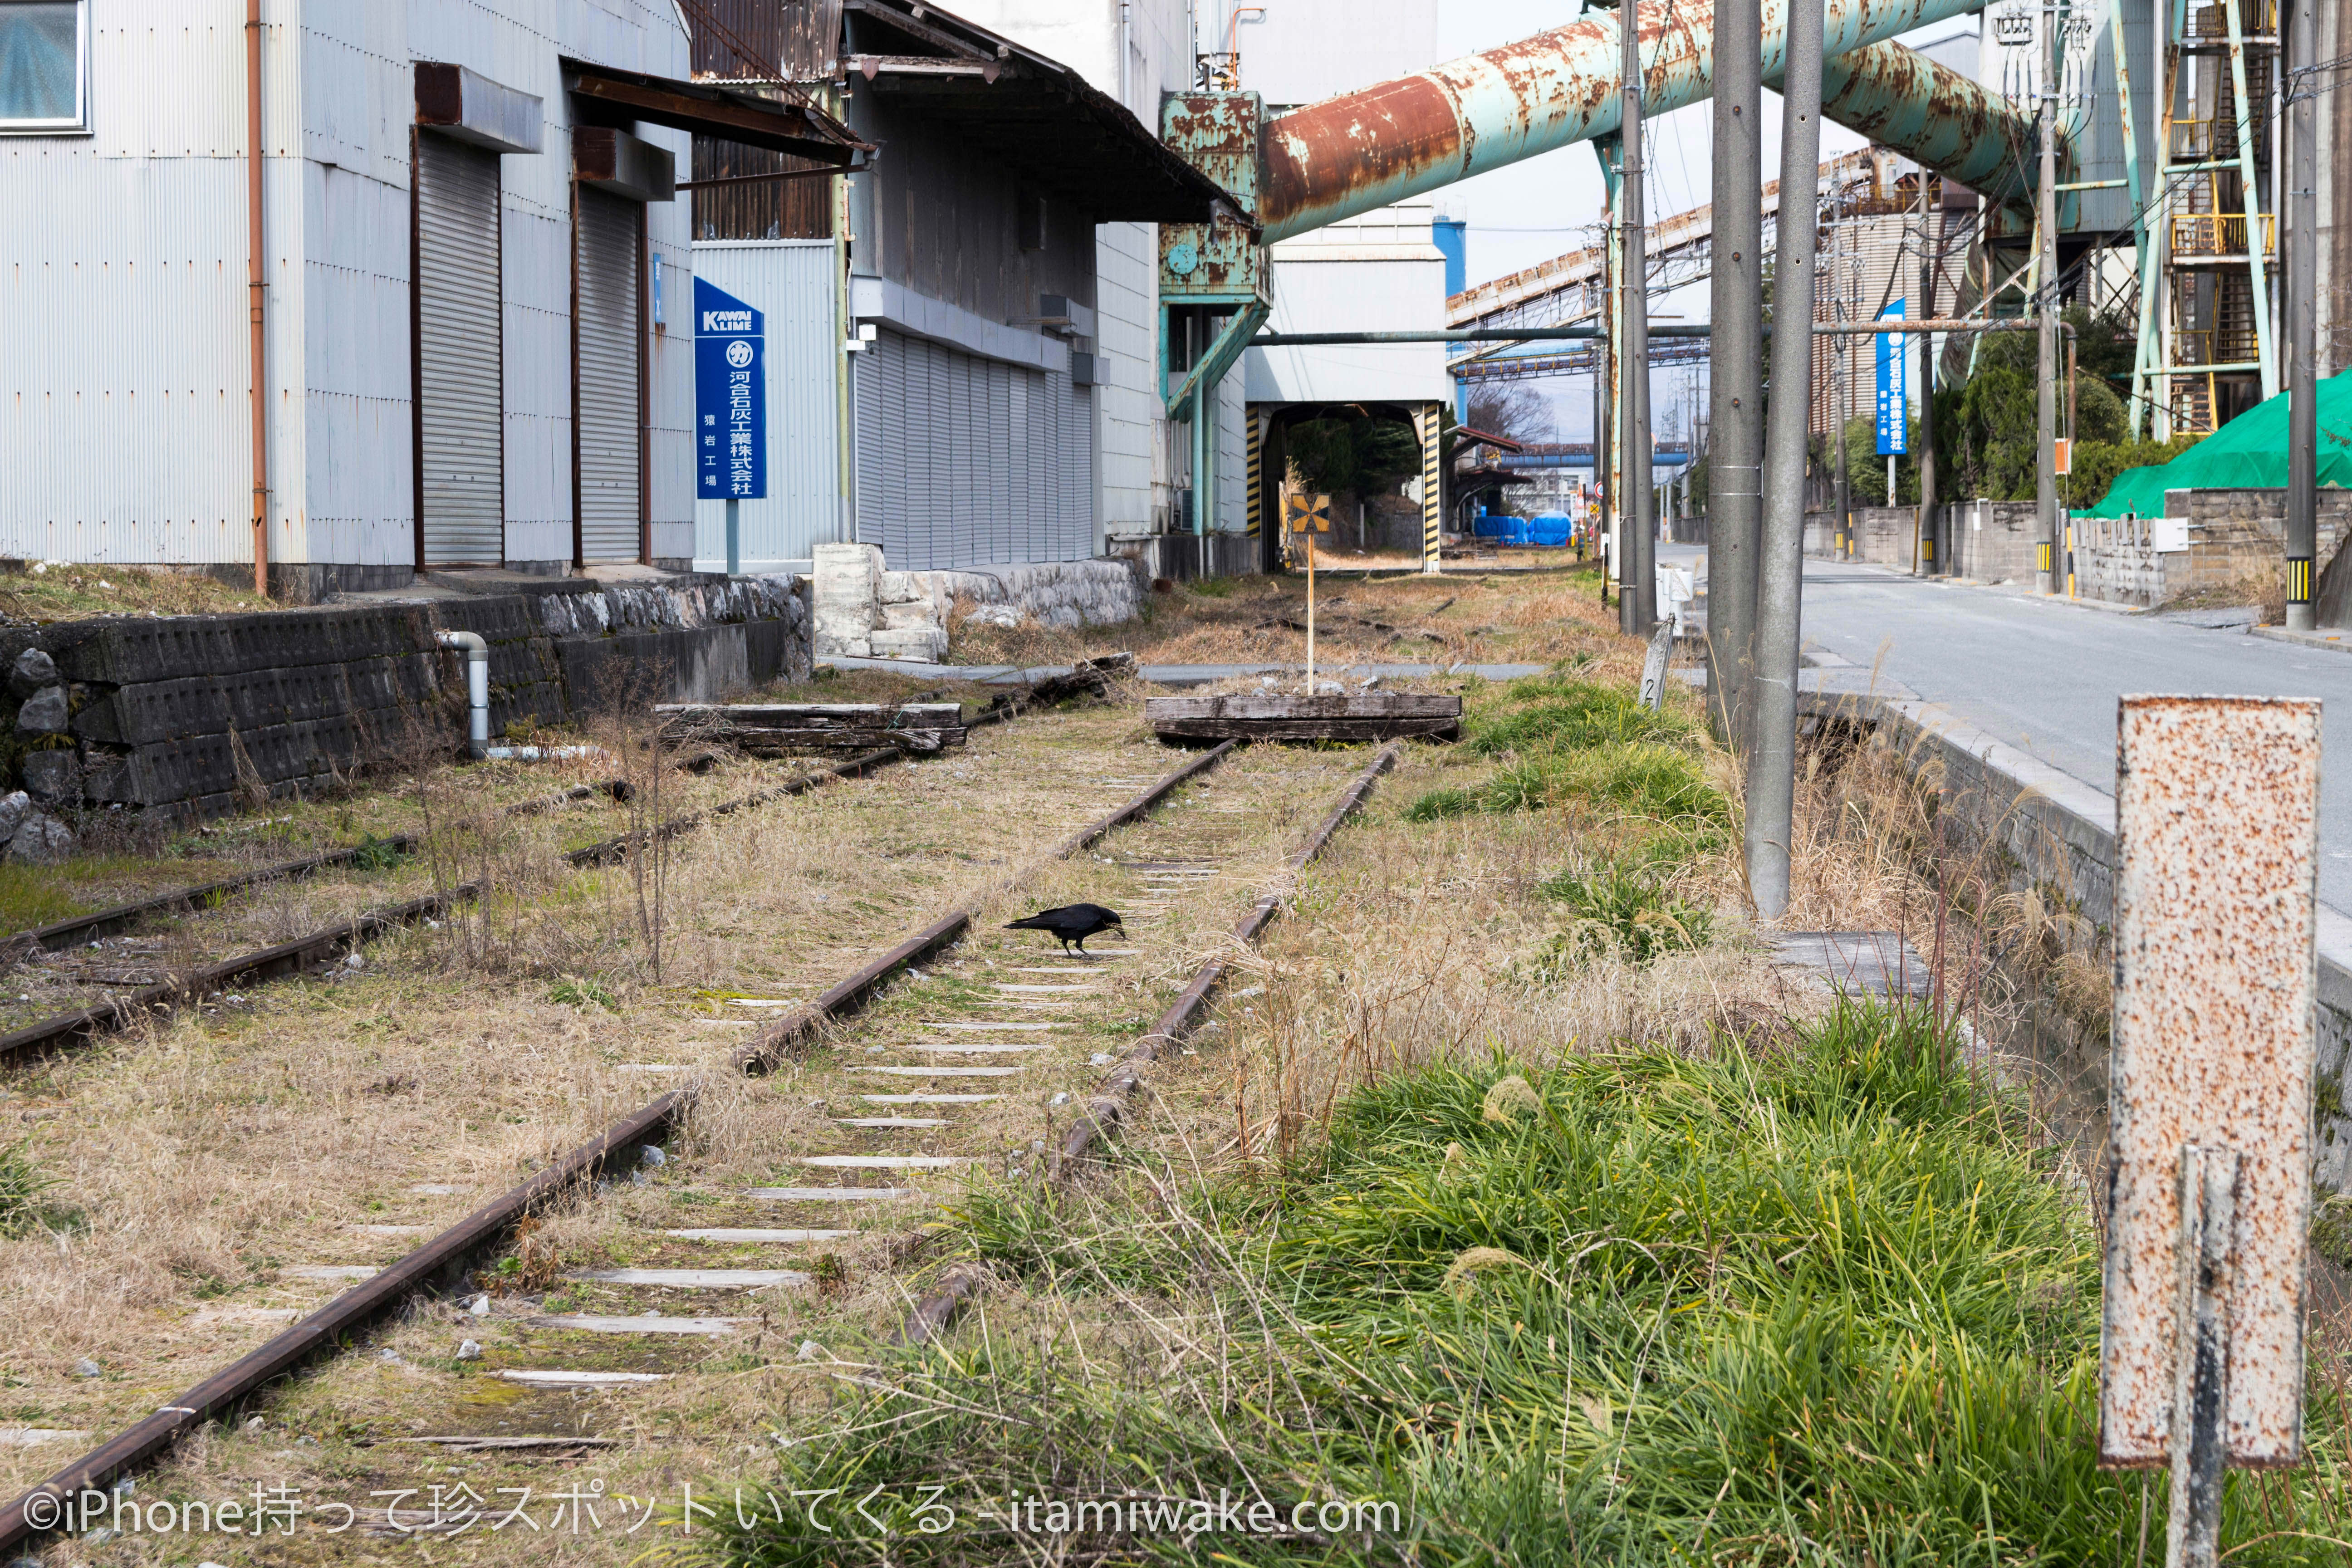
x=776 y=1041
x=120 y=916
x=445 y=1256
x=325 y=1329
x=330 y=941
x=1104 y=1111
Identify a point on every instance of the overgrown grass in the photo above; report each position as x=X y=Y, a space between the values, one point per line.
x=1643 y=779
x=1622 y=907
x=1564 y=740
x=1824 y=1305
x=1553 y=713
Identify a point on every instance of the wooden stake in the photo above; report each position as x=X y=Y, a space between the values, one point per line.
x=1310 y=609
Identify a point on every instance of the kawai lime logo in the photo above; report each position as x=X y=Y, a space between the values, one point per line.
x=738 y=354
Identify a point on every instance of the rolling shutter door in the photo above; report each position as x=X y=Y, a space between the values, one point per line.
x=1077 y=540
x=460 y=505
x=605 y=376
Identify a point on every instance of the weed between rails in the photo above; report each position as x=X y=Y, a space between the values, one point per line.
x=1826 y=1304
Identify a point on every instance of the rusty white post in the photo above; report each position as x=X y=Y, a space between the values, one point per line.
x=2209 y=1093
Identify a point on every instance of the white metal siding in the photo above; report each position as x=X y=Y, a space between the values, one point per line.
x=609 y=255
x=792 y=282
x=461 y=457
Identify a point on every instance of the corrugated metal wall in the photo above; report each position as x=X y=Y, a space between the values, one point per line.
x=968 y=461
x=792 y=282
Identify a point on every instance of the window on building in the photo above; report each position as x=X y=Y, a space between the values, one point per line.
x=44 y=65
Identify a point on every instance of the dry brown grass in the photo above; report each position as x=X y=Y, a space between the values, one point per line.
x=478 y=1083
x=83 y=591
x=202 y=1155
x=1404 y=618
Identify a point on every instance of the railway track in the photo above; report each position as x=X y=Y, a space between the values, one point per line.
x=776 y=1194
x=136 y=978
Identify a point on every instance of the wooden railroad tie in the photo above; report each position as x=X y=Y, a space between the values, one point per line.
x=778 y=729
x=1364 y=716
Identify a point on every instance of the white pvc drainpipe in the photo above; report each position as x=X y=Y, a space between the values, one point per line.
x=477 y=688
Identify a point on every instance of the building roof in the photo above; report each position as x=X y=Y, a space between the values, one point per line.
x=776 y=117
x=1477 y=437
x=1039 y=116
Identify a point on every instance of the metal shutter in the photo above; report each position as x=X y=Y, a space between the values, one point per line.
x=878 y=370
x=1021 y=453
x=605 y=376
x=460 y=498
x=1077 y=540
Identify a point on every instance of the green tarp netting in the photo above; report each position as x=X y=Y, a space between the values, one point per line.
x=2248 y=453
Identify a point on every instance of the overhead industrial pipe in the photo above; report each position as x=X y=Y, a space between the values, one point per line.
x=1365 y=150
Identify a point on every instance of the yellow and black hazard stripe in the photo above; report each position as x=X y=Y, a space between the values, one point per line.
x=2298 y=579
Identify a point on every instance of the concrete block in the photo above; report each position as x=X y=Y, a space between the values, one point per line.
x=845 y=596
x=929 y=644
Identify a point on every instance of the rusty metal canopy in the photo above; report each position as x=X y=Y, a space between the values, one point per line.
x=774 y=119
x=1040 y=117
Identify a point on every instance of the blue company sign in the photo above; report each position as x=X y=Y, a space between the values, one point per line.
x=1894 y=386
x=730 y=398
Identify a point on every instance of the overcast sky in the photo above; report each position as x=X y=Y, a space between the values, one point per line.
x=1535 y=210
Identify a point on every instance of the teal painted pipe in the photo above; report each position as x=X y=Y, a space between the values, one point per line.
x=1364 y=150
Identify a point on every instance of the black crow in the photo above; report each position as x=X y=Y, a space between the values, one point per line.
x=1072 y=924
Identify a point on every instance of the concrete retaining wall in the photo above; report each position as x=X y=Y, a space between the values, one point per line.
x=178 y=716
x=863 y=610
x=2051 y=829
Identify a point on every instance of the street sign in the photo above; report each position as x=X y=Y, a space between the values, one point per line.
x=2210 y=1082
x=1303 y=512
x=1894 y=386
x=730 y=396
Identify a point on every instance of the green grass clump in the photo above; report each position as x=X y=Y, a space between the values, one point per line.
x=1826 y=1305
x=582 y=991
x=1623 y=908
x=1441 y=803
x=22 y=1183
x=1553 y=713
x=1644 y=779
x=1212 y=587
x=34 y=896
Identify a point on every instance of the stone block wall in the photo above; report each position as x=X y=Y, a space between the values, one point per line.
x=180 y=716
x=863 y=610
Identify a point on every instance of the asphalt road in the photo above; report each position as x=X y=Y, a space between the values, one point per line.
x=2044 y=677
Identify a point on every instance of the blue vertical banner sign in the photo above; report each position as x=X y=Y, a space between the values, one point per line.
x=730 y=398
x=1893 y=385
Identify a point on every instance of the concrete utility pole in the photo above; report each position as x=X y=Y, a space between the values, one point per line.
x=1604 y=490
x=1842 y=371
x=1928 y=556
x=1772 y=760
x=2301 y=315
x=2045 y=227
x=1736 y=381
x=1640 y=519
